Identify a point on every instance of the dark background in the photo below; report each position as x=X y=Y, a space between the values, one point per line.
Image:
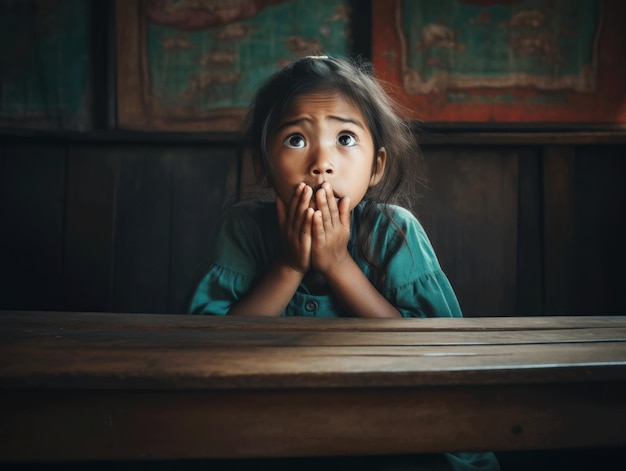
x=525 y=222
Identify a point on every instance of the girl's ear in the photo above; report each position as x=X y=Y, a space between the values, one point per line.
x=379 y=167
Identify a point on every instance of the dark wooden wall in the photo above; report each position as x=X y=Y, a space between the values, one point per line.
x=107 y=226
x=524 y=224
x=530 y=227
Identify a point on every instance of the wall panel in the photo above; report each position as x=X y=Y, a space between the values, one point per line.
x=141 y=254
x=89 y=237
x=585 y=209
x=471 y=214
x=32 y=216
x=201 y=182
x=533 y=229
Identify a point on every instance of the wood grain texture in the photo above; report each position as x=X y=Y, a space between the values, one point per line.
x=323 y=422
x=470 y=213
x=513 y=236
x=558 y=223
x=85 y=386
x=529 y=293
x=584 y=210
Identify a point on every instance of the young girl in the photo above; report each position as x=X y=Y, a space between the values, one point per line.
x=328 y=140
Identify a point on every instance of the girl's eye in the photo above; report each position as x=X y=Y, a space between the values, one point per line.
x=346 y=140
x=295 y=141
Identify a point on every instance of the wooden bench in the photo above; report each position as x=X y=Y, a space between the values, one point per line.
x=93 y=386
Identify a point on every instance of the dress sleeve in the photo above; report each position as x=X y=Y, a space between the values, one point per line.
x=430 y=295
x=233 y=264
x=218 y=290
x=416 y=284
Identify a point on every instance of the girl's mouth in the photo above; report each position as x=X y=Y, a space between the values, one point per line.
x=313 y=203
x=319 y=187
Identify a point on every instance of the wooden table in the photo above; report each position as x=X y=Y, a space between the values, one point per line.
x=77 y=386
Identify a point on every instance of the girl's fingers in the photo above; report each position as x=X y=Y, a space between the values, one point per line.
x=295 y=219
x=344 y=211
x=304 y=238
x=332 y=205
x=319 y=234
x=293 y=203
x=305 y=227
x=327 y=205
x=297 y=205
x=304 y=202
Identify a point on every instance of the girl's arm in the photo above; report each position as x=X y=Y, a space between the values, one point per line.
x=330 y=256
x=356 y=293
x=272 y=295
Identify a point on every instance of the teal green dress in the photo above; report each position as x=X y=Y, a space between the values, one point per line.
x=246 y=243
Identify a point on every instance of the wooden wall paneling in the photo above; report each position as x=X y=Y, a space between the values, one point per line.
x=202 y=180
x=103 y=64
x=32 y=213
x=558 y=222
x=4 y=233
x=128 y=64
x=470 y=214
x=529 y=297
x=90 y=228
x=142 y=229
x=599 y=235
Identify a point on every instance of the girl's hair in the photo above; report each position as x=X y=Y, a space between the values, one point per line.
x=353 y=80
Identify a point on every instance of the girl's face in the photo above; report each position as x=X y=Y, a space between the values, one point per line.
x=322 y=137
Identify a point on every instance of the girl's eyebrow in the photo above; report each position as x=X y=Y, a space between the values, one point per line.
x=341 y=119
x=347 y=120
x=292 y=122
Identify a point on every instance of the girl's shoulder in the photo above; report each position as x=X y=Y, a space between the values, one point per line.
x=389 y=217
x=400 y=239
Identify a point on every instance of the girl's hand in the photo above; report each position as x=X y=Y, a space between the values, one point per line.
x=294 y=221
x=331 y=231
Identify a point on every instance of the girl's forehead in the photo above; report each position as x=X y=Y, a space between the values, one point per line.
x=331 y=102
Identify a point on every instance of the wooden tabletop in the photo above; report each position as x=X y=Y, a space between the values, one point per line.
x=103 y=385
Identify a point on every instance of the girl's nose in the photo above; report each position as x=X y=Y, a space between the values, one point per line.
x=322 y=162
